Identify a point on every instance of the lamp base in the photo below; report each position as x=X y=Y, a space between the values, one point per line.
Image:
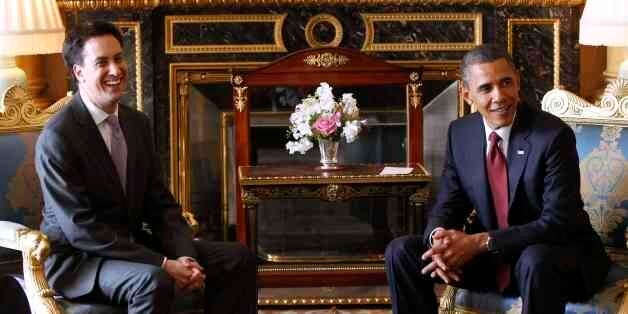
x=10 y=75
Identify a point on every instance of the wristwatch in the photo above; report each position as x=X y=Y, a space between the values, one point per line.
x=490 y=245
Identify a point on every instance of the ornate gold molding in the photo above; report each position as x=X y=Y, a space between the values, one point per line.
x=316 y=300
x=76 y=5
x=326 y=60
x=322 y=267
x=556 y=35
x=240 y=98
x=135 y=27
x=181 y=77
x=21 y=114
x=570 y=107
x=310 y=37
x=371 y=18
x=413 y=90
x=276 y=19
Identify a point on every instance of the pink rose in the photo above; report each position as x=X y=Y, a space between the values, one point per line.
x=327 y=125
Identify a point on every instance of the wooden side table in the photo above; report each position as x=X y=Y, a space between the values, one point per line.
x=283 y=185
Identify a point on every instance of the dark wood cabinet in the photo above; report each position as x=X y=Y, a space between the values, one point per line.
x=315 y=228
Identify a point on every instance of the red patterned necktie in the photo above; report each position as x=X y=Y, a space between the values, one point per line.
x=498 y=180
x=118 y=149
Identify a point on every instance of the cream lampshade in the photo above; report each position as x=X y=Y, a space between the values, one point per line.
x=27 y=27
x=605 y=23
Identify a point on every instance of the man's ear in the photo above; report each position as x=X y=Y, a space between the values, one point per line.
x=465 y=93
x=77 y=71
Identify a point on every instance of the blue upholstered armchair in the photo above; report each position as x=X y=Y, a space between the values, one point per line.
x=20 y=213
x=602 y=143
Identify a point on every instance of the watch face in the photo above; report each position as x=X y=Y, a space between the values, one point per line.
x=491 y=245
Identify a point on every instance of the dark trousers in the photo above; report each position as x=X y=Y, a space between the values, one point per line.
x=545 y=276
x=230 y=285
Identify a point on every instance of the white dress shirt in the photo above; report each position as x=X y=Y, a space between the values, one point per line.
x=99 y=117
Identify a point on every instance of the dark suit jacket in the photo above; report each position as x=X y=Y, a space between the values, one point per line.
x=87 y=216
x=543 y=178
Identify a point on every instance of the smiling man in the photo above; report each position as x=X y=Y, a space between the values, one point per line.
x=101 y=183
x=518 y=168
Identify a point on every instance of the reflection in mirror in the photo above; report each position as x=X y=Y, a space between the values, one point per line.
x=212 y=138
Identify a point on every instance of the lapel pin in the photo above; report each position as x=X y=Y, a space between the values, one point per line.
x=520 y=152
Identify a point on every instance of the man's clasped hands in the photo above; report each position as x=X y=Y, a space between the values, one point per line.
x=451 y=249
x=187 y=273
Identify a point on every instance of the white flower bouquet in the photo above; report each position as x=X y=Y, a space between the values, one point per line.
x=320 y=116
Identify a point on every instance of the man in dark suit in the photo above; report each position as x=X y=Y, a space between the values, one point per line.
x=101 y=181
x=518 y=168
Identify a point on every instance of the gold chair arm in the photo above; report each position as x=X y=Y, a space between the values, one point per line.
x=191 y=221
x=448 y=301
x=35 y=248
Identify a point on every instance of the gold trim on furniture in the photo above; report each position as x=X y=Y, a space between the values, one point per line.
x=371 y=18
x=21 y=114
x=276 y=19
x=310 y=37
x=556 y=34
x=139 y=91
x=314 y=300
x=181 y=76
x=76 y=5
x=307 y=268
x=334 y=179
x=326 y=60
x=35 y=248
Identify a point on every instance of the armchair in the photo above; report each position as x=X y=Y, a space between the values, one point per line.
x=20 y=215
x=602 y=143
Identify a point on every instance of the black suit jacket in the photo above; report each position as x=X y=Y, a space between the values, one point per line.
x=544 y=185
x=87 y=215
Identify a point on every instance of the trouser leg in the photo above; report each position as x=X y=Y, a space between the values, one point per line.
x=410 y=291
x=231 y=272
x=143 y=288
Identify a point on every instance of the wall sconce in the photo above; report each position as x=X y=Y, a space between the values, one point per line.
x=27 y=27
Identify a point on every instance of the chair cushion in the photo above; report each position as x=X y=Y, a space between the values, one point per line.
x=607 y=300
x=604 y=179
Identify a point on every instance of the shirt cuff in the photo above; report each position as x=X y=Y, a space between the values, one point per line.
x=163 y=262
x=431 y=240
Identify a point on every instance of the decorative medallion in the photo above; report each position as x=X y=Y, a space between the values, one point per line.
x=326 y=60
x=318 y=26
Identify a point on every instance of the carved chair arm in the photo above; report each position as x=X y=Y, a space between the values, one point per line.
x=35 y=248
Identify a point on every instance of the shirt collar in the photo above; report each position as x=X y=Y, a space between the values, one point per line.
x=97 y=114
x=503 y=132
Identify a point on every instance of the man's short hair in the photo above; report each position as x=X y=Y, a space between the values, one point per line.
x=75 y=41
x=482 y=54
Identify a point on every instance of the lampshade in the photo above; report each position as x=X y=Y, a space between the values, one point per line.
x=29 y=27
x=604 y=23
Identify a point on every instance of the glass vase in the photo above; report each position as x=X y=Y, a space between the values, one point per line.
x=329 y=154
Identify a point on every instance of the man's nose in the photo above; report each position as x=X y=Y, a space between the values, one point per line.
x=498 y=93
x=115 y=68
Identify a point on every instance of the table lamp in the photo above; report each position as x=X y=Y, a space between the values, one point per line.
x=27 y=27
x=605 y=23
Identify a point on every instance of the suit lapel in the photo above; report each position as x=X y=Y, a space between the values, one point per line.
x=477 y=156
x=95 y=145
x=518 y=151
